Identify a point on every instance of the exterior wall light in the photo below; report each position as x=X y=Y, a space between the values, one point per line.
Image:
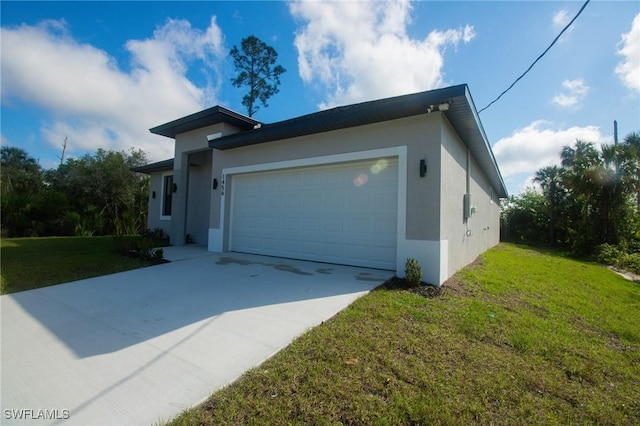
x=175 y=187
x=438 y=107
x=423 y=168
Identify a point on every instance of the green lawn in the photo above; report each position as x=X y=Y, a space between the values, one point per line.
x=521 y=337
x=29 y=263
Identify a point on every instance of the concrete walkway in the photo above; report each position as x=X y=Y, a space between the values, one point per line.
x=138 y=347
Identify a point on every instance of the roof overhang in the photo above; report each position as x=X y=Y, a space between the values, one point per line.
x=208 y=117
x=464 y=118
x=461 y=113
x=155 y=167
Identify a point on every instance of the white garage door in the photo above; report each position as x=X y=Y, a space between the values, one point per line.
x=342 y=213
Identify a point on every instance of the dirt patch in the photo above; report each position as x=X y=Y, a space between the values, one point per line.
x=400 y=284
x=456 y=286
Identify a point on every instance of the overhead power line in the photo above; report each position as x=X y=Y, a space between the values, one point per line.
x=539 y=57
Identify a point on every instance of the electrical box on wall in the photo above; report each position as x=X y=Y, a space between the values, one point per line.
x=467 y=209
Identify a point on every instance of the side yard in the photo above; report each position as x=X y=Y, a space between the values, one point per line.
x=522 y=336
x=29 y=263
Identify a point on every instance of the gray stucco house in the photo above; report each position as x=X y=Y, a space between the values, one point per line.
x=369 y=184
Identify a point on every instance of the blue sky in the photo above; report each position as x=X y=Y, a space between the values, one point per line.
x=103 y=73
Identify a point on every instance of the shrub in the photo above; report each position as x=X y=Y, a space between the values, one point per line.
x=157 y=254
x=608 y=254
x=413 y=272
x=630 y=262
x=155 y=234
x=134 y=246
x=618 y=256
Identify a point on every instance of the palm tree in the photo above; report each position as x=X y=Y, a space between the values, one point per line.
x=599 y=183
x=609 y=176
x=550 y=179
x=603 y=180
x=632 y=143
x=580 y=154
x=20 y=185
x=18 y=171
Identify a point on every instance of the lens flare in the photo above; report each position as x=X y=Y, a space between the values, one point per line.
x=361 y=179
x=379 y=166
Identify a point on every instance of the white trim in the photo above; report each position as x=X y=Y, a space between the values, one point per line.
x=162 y=216
x=214 y=136
x=444 y=261
x=215 y=240
x=432 y=256
x=230 y=227
x=397 y=151
x=402 y=210
x=216 y=236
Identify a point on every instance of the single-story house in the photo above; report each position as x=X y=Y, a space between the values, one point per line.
x=370 y=184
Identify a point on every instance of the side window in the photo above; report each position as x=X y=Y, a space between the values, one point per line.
x=167 y=194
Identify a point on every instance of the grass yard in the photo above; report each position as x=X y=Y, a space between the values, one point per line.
x=523 y=336
x=29 y=263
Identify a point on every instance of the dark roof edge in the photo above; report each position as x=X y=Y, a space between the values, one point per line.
x=377 y=111
x=154 y=167
x=207 y=117
x=341 y=117
x=504 y=193
x=464 y=118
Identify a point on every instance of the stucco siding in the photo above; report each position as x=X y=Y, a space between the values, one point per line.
x=423 y=193
x=153 y=212
x=434 y=228
x=467 y=238
x=186 y=144
x=200 y=190
x=419 y=134
x=486 y=220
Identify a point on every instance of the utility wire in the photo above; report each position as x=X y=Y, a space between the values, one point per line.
x=539 y=57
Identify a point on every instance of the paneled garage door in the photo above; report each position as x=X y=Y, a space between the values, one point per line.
x=343 y=213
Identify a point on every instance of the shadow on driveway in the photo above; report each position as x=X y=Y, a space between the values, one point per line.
x=109 y=313
x=140 y=346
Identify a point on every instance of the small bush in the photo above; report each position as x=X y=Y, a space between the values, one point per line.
x=156 y=234
x=157 y=254
x=413 y=272
x=618 y=256
x=630 y=262
x=134 y=246
x=608 y=254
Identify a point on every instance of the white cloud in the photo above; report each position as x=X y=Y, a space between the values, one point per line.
x=4 y=141
x=561 y=19
x=95 y=103
x=629 y=46
x=361 y=50
x=575 y=92
x=538 y=145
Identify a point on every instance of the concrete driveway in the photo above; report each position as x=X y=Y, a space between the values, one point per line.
x=138 y=347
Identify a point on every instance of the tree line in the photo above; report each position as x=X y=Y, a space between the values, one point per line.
x=96 y=194
x=591 y=198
